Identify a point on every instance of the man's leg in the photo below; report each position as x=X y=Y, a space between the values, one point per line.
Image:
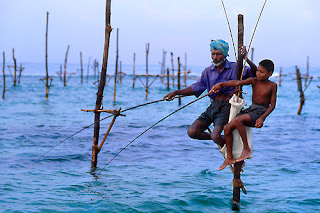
x=197 y=130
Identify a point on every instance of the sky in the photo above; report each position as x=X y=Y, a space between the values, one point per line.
x=287 y=32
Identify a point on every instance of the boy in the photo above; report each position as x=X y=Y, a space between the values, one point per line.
x=264 y=95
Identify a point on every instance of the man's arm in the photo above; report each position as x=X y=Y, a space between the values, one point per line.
x=186 y=91
x=232 y=83
x=273 y=100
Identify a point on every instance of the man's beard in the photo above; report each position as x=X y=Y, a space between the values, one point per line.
x=216 y=64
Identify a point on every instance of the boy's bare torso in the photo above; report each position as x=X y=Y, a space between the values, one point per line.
x=262 y=91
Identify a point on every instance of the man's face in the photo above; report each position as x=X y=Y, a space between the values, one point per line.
x=217 y=57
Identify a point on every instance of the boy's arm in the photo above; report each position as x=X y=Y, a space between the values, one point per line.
x=253 y=67
x=232 y=83
x=259 y=122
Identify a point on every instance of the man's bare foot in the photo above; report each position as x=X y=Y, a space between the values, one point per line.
x=227 y=162
x=244 y=155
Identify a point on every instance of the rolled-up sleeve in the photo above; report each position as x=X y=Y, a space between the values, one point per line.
x=200 y=85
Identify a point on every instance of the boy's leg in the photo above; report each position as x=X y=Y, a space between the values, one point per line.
x=228 y=129
x=216 y=135
x=241 y=122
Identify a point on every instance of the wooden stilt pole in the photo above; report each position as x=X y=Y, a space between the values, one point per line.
x=168 y=79
x=120 y=73
x=172 y=68
x=116 y=70
x=15 y=69
x=280 y=76
x=252 y=51
x=302 y=98
x=185 y=69
x=95 y=149
x=134 y=70
x=237 y=166
x=179 y=73
x=4 y=75
x=65 y=68
x=147 y=57
x=307 y=73
x=88 y=69
x=47 y=72
x=81 y=68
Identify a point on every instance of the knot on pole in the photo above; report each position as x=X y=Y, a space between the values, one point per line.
x=238 y=183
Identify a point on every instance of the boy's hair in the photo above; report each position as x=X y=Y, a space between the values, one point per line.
x=268 y=64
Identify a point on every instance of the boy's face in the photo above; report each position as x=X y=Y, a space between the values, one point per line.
x=262 y=73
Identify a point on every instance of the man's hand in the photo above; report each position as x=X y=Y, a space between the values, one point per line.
x=259 y=122
x=215 y=88
x=170 y=96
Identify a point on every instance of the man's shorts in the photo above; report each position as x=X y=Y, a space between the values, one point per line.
x=255 y=111
x=217 y=113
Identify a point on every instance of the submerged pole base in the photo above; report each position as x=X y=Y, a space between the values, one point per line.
x=235 y=205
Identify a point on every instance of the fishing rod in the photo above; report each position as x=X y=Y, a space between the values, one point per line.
x=245 y=60
x=151 y=128
x=234 y=47
x=86 y=127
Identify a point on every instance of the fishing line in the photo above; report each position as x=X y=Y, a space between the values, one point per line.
x=245 y=60
x=86 y=127
x=234 y=47
x=151 y=128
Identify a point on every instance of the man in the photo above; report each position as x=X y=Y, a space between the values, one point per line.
x=217 y=113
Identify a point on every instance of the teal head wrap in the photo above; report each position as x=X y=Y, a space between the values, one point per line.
x=221 y=45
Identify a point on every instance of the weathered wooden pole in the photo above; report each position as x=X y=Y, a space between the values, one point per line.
x=237 y=166
x=20 y=72
x=168 y=79
x=179 y=79
x=185 y=69
x=116 y=68
x=252 y=51
x=65 y=68
x=120 y=73
x=4 y=75
x=172 y=68
x=307 y=72
x=240 y=44
x=134 y=69
x=302 y=98
x=147 y=56
x=280 y=76
x=88 y=69
x=47 y=72
x=95 y=148
x=15 y=69
x=81 y=68
x=117 y=56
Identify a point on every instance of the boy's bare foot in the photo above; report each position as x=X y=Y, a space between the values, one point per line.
x=244 y=155
x=227 y=162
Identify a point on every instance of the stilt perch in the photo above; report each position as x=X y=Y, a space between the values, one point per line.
x=95 y=149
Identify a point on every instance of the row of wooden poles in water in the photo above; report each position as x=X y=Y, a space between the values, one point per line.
x=237 y=183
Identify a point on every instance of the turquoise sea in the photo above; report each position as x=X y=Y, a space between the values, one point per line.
x=163 y=170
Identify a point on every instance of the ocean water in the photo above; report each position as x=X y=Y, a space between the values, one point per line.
x=163 y=170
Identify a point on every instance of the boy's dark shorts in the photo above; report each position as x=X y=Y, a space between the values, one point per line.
x=217 y=113
x=254 y=111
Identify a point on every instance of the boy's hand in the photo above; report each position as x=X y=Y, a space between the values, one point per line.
x=170 y=96
x=259 y=123
x=215 y=88
x=243 y=52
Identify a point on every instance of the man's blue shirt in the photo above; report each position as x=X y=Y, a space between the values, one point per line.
x=211 y=76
